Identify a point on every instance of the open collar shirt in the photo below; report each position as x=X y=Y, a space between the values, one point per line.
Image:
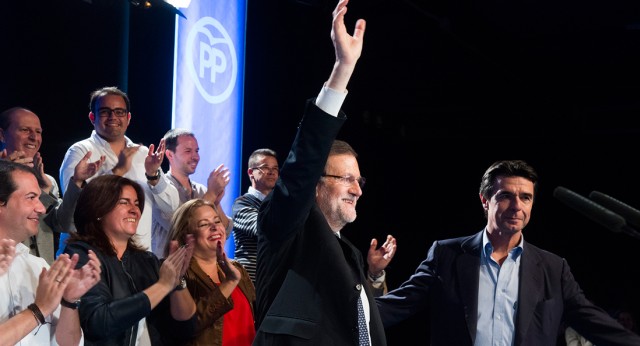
x=498 y=296
x=18 y=290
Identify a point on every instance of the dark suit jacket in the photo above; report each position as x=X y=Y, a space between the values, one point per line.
x=446 y=282
x=308 y=280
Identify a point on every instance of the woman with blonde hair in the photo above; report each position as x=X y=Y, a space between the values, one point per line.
x=222 y=289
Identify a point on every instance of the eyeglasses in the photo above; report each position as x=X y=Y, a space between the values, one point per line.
x=347 y=180
x=118 y=112
x=267 y=169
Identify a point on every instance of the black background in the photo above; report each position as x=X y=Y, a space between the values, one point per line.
x=443 y=89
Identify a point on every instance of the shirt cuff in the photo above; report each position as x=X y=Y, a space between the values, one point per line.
x=161 y=184
x=377 y=282
x=330 y=100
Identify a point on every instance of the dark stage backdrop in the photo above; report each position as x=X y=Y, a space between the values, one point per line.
x=442 y=90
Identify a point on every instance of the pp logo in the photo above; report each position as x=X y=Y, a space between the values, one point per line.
x=211 y=60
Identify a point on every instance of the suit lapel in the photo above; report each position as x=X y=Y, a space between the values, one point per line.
x=350 y=252
x=468 y=275
x=529 y=291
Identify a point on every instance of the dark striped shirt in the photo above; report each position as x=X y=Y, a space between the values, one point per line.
x=245 y=217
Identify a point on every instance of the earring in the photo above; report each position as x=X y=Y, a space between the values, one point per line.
x=98 y=219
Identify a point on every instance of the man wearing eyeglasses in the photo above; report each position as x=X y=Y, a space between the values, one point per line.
x=263 y=171
x=311 y=285
x=171 y=190
x=109 y=113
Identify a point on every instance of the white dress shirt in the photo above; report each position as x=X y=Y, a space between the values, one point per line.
x=98 y=147
x=18 y=290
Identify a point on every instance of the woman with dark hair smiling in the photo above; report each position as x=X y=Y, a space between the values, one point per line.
x=140 y=300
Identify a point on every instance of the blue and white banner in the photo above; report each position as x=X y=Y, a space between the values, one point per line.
x=208 y=86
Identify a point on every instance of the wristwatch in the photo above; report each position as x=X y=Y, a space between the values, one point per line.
x=375 y=277
x=153 y=177
x=70 y=305
x=182 y=285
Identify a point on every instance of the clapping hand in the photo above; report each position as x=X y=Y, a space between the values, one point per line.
x=125 y=160
x=216 y=183
x=81 y=280
x=189 y=245
x=176 y=264
x=53 y=282
x=86 y=169
x=38 y=166
x=17 y=156
x=7 y=254
x=231 y=273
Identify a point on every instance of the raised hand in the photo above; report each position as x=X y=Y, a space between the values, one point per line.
x=347 y=48
x=379 y=258
x=154 y=158
x=7 y=254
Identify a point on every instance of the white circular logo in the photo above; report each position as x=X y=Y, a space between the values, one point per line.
x=211 y=60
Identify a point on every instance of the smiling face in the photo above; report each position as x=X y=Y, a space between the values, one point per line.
x=20 y=215
x=24 y=133
x=336 y=199
x=509 y=207
x=108 y=125
x=121 y=223
x=184 y=160
x=208 y=230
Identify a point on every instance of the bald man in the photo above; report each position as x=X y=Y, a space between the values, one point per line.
x=21 y=135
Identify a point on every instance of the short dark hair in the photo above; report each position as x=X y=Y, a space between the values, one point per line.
x=506 y=168
x=7 y=184
x=99 y=197
x=171 y=138
x=104 y=91
x=256 y=154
